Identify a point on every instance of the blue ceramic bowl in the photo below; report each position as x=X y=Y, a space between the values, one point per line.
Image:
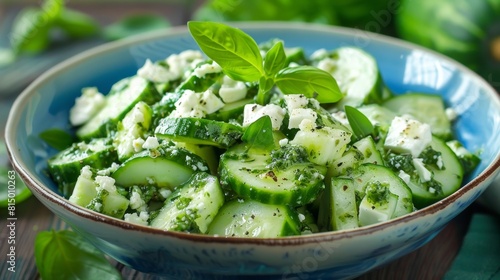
x=343 y=254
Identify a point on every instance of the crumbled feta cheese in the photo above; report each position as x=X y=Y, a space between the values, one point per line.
x=156 y=73
x=133 y=117
x=440 y=163
x=196 y=105
x=307 y=125
x=106 y=183
x=206 y=68
x=164 y=192
x=299 y=114
x=451 y=114
x=137 y=144
x=341 y=116
x=209 y=102
x=253 y=112
x=151 y=143
x=85 y=172
x=424 y=173
x=136 y=201
x=295 y=101
x=283 y=142
x=301 y=217
x=86 y=106
x=107 y=171
x=407 y=135
x=403 y=175
x=231 y=90
x=140 y=219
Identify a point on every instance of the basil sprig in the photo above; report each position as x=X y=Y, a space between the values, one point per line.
x=239 y=56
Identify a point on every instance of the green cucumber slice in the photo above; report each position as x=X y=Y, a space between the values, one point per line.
x=248 y=174
x=193 y=206
x=339 y=206
x=65 y=166
x=357 y=75
x=167 y=166
x=426 y=108
x=250 y=218
x=118 y=104
x=371 y=173
x=448 y=179
x=199 y=131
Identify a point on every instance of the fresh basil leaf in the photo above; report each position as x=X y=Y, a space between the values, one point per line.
x=234 y=50
x=275 y=59
x=21 y=191
x=57 y=138
x=265 y=85
x=135 y=24
x=361 y=126
x=30 y=30
x=67 y=255
x=259 y=134
x=76 y=24
x=310 y=81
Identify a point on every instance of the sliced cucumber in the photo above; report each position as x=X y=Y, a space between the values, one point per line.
x=193 y=206
x=362 y=151
x=202 y=77
x=118 y=103
x=254 y=219
x=339 y=206
x=207 y=153
x=357 y=74
x=65 y=166
x=444 y=181
x=168 y=166
x=164 y=107
x=135 y=125
x=199 y=131
x=378 y=204
x=85 y=188
x=248 y=174
x=231 y=111
x=426 y=108
x=468 y=160
x=369 y=173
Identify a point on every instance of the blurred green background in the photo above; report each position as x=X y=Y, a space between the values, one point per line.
x=35 y=35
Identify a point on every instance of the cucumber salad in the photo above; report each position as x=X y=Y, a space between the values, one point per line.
x=258 y=140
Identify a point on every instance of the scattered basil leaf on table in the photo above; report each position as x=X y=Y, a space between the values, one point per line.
x=8 y=180
x=259 y=134
x=57 y=138
x=310 y=81
x=76 y=24
x=360 y=124
x=133 y=25
x=66 y=255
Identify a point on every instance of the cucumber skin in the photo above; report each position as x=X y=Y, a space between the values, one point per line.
x=168 y=152
x=300 y=193
x=199 y=131
x=66 y=174
x=149 y=95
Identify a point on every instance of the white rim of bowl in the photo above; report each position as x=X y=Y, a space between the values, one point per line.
x=37 y=186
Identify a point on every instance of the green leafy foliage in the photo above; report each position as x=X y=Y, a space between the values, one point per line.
x=57 y=138
x=259 y=134
x=310 y=81
x=133 y=25
x=234 y=50
x=360 y=124
x=67 y=255
x=275 y=59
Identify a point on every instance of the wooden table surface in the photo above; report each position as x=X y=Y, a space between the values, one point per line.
x=429 y=262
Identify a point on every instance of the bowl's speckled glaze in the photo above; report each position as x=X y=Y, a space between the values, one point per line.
x=344 y=254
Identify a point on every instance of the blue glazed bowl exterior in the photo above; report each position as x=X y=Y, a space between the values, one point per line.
x=343 y=254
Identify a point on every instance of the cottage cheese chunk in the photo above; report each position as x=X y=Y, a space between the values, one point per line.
x=407 y=135
x=86 y=106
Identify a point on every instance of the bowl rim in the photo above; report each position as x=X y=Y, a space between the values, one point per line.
x=36 y=186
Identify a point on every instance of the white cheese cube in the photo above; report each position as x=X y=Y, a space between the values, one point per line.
x=299 y=114
x=86 y=106
x=424 y=174
x=404 y=176
x=253 y=112
x=407 y=135
x=294 y=101
x=209 y=102
x=206 y=68
x=151 y=143
x=106 y=183
x=231 y=90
